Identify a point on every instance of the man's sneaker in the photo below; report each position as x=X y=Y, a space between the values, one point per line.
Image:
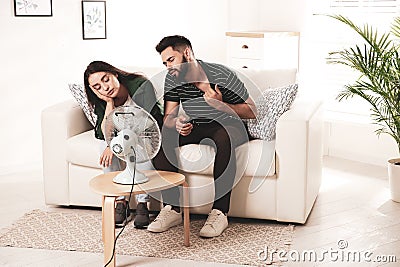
x=122 y=213
x=216 y=223
x=165 y=220
x=142 y=218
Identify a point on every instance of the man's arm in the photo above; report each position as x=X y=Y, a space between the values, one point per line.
x=172 y=120
x=170 y=113
x=245 y=110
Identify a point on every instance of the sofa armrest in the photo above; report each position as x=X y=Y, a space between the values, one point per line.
x=59 y=122
x=299 y=153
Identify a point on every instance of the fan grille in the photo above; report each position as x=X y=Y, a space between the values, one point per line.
x=141 y=123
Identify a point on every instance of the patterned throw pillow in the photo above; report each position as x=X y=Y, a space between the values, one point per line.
x=271 y=104
x=78 y=92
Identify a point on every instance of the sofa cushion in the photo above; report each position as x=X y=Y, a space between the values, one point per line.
x=271 y=104
x=260 y=159
x=83 y=149
x=78 y=92
x=255 y=158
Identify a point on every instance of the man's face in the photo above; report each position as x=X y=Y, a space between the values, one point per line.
x=175 y=62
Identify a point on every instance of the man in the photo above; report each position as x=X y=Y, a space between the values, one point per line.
x=216 y=101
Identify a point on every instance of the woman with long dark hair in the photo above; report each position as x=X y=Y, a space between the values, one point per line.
x=108 y=87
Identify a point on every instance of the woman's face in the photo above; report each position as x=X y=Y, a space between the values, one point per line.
x=104 y=83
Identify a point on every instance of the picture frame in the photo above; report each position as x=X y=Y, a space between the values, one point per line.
x=33 y=8
x=94 y=20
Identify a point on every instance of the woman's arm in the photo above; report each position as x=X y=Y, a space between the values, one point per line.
x=109 y=107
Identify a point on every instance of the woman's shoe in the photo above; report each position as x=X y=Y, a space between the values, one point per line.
x=122 y=213
x=142 y=218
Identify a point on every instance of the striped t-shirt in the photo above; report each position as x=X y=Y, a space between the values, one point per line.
x=192 y=100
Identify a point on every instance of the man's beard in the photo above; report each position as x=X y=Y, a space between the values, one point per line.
x=183 y=70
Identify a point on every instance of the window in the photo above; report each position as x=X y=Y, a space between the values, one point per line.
x=364 y=6
x=330 y=35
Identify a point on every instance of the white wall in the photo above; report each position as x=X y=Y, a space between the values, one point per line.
x=268 y=15
x=353 y=137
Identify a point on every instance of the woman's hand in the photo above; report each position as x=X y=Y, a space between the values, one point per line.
x=103 y=97
x=106 y=157
x=182 y=126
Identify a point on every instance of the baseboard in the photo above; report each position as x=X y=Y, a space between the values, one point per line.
x=358 y=141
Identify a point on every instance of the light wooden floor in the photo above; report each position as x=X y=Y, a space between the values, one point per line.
x=353 y=208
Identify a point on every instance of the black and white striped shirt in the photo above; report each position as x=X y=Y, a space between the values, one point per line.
x=232 y=89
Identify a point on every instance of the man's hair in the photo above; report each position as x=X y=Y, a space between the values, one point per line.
x=177 y=42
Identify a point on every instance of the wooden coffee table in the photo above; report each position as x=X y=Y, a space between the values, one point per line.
x=158 y=180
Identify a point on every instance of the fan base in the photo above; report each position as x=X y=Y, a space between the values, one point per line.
x=125 y=177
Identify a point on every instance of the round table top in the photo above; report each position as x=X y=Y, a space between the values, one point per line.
x=158 y=180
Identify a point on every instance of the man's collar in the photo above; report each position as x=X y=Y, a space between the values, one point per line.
x=204 y=66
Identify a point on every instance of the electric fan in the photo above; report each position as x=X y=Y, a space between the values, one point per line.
x=133 y=136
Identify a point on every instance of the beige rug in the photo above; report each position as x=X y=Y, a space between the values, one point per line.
x=241 y=243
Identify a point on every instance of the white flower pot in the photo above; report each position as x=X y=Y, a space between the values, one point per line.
x=394 y=178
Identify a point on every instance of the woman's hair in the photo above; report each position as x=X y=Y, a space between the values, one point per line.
x=99 y=66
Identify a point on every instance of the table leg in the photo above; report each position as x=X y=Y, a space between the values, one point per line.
x=186 y=215
x=102 y=217
x=108 y=229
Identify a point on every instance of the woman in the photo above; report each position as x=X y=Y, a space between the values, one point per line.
x=108 y=87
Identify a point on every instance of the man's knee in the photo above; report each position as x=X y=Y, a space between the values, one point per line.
x=170 y=138
x=223 y=140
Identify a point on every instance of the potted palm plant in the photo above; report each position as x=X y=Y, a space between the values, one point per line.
x=378 y=63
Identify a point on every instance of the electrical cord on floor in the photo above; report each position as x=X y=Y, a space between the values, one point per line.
x=126 y=210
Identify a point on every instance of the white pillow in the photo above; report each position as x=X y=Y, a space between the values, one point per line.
x=271 y=104
x=78 y=92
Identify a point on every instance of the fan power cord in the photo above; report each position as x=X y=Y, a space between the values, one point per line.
x=126 y=211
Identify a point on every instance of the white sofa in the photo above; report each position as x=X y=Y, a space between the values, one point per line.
x=279 y=180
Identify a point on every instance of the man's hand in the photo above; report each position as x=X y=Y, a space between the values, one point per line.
x=182 y=126
x=213 y=97
x=106 y=157
x=246 y=110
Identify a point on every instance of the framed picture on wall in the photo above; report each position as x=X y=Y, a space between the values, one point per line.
x=94 y=20
x=32 y=8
